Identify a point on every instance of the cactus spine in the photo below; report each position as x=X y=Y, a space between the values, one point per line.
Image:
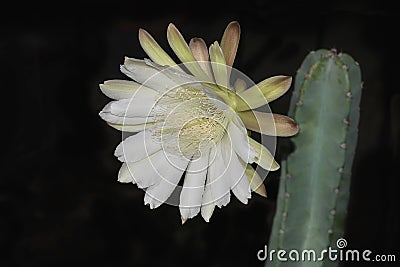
x=315 y=179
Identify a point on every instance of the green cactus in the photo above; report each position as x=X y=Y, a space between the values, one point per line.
x=315 y=179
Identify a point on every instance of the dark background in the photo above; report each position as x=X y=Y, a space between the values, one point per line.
x=60 y=202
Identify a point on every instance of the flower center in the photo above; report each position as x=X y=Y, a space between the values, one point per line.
x=186 y=120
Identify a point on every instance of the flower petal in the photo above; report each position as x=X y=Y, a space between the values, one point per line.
x=137 y=147
x=179 y=77
x=239 y=85
x=207 y=205
x=114 y=119
x=256 y=183
x=142 y=72
x=140 y=105
x=107 y=115
x=263 y=93
x=154 y=50
x=268 y=123
x=217 y=182
x=120 y=89
x=199 y=49
x=130 y=128
x=124 y=175
x=193 y=187
x=200 y=53
x=230 y=42
x=218 y=65
x=170 y=169
x=143 y=172
x=182 y=50
x=264 y=158
x=235 y=173
x=238 y=135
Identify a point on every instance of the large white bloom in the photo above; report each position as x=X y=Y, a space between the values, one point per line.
x=190 y=120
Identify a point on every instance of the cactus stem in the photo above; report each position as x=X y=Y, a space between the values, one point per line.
x=311 y=209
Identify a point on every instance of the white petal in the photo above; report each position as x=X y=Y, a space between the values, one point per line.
x=150 y=171
x=238 y=135
x=131 y=128
x=140 y=105
x=143 y=172
x=193 y=187
x=239 y=183
x=111 y=118
x=120 y=89
x=124 y=175
x=170 y=169
x=147 y=75
x=207 y=205
x=235 y=173
x=179 y=77
x=106 y=115
x=216 y=180
x=137 y=147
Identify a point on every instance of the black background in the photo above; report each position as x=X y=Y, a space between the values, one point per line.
x=60 y=202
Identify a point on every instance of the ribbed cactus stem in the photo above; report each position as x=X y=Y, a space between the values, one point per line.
x=315 y=179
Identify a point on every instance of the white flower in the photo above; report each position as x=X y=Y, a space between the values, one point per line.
x=189 y=120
